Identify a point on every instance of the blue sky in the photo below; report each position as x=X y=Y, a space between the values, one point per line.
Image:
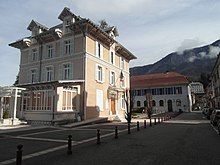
x=150 y=29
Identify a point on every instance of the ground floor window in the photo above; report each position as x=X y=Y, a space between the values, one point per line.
x=69 y=99
x=38 y=100
x=178 y=103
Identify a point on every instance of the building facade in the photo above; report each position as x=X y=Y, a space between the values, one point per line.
x=73 y=70
x=166 y=92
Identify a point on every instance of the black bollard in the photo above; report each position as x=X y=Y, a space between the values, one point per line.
x=158 y=120
x=19 y=154
x=69 y=149
x=129 y=128
x=138 y=127
x=162 y=119
x=155 y=121
x=116 y=132
x=98 y=137
x=150 y=122
x=145 y=124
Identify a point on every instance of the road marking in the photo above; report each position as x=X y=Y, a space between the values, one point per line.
x=56 y=148
x=215 y=129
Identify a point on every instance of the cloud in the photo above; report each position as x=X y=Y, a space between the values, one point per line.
x=189 y=44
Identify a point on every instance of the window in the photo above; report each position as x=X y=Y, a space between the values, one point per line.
x=67 y=23
x=69 y=99
x=112 y=78
x=99 y=100
x=123 y=102
x=178 y=102
x=112 y=57
x=123 y=81
x=49 y=73
x=50 y=51
x=66 y=71
x=122 y=63
x=153 y=103
x=99 y=73
x=33 y=75
x=178 y=90
x=34 y=55
x=145 y=103
x=41 y=100
x=138 y=103
x=161 y=103
x=67 y=47
x=99 y=50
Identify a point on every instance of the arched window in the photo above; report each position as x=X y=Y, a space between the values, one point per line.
x=138 y=103
x=178 y=102
x=161 y=103
x=153 y=103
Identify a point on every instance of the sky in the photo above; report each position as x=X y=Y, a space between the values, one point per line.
x=150 y=29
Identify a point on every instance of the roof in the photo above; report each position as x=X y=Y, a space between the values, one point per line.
x=158 y=80
x=34 y=24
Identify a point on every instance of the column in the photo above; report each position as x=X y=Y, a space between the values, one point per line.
x=15 y=103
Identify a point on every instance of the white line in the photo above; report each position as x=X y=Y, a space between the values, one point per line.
x=56 y=148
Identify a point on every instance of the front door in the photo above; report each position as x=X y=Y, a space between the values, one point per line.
x=113 y=106
x=170 y=106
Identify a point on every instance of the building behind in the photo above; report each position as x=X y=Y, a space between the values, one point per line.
x=73 y=70
x=167 y=92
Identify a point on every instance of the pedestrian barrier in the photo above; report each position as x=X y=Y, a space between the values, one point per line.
x=19 y=154
x=69 y=149
x=129 y=128
x=98 y=137
x=116 y=132
x=138 y=128
x=145 y=124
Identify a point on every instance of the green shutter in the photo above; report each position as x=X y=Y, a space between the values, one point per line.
x=71 y=71
x=43 y=77
x=60 y=72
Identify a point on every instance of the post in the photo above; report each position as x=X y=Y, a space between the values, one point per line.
x=138 y=127
x=129 y=128
x=158 y=120
x=150 y=122
x=116 y=132
x=15 y=104
x=145 y=124
x=155 y=121
x=19 y=154
x=98 y=137
x=69 y=150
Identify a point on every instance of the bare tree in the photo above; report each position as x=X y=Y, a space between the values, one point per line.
x=129 y=101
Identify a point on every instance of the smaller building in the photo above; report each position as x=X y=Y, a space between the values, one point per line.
x=10 y=101
x=197 y=93
x=168 y=92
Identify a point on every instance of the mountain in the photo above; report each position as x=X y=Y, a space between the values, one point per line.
x=191 y=63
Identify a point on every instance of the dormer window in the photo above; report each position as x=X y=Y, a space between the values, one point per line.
x=67 y=23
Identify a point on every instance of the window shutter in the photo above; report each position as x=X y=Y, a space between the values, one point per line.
x=96 y=72
x=71 y=71
x=61 y=48
x=60 y=72
x=103 y=74
x=54 y=50
x=71 y=47
x=29 y=56
x=37 y=76
x=28 y=76
x=97 y=48
x=101 y=51
x=43 y=77
x=52 y=74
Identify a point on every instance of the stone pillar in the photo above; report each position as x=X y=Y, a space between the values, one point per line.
x=15 y=103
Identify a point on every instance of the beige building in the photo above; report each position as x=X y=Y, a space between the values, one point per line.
x=73 y=70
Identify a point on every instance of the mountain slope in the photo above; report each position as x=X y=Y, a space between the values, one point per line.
x=191 y=63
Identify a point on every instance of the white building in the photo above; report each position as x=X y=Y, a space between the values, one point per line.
x=196 y=87
x=169 y=92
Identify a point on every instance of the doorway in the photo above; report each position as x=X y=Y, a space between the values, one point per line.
x=170 y=106
x=113 y=106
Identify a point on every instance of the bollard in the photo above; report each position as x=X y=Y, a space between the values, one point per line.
x=98 y=137
x=145 y=124
x=162 y=119
x=129 y=128
x=150 y=123
x=158 y=120
x=69 y=149
x=155 y=121
x=116 y=132
x=19 y=154
x=138 y=128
